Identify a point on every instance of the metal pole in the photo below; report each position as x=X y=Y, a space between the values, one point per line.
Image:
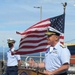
x=40 y=13
x=3 y=51
x=64 y=8
x=3 y=61
x=40 y=20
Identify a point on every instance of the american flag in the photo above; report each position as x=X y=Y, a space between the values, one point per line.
x=34 y=39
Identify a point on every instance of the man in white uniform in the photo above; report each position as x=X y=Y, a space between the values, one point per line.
x=13 y=61
x=57 y=57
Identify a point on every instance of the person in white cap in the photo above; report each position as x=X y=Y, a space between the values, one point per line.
x=57 y=57
x=13 y=61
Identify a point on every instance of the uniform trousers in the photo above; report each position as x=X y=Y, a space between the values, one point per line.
x=12 y=70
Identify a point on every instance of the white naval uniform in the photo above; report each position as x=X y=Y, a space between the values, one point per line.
x=12 y=60
x=56 y=57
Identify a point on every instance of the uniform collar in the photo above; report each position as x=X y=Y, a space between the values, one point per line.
x=54 y=48
x=57 y=45
x=12 y=49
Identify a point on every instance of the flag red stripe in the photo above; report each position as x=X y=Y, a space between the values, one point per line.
x=29 y=52
x=35 y=25
x=33 y=41
x=39 y=23
x=29 y=46
x=37 y=36
x=62 y=37
x=42 y=26
x=29 y=32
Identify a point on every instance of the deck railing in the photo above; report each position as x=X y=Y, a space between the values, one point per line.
x=71 y=70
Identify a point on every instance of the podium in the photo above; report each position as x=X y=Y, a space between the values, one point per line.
x=25 y=71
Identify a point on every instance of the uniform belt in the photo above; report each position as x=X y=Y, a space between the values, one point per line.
x=65 y=73
x=12 y=66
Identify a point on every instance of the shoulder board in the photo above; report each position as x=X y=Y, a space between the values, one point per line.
x=63 y=46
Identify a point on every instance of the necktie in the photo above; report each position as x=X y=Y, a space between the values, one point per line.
x=48 y=50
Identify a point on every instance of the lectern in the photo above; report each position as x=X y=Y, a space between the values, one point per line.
x=25 y=71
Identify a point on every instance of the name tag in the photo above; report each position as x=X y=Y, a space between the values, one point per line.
x=54 y=51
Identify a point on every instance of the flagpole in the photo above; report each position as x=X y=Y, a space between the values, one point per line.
x=40 y=20
x=64 y=6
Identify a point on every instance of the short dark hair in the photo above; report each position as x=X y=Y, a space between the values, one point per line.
x=57 y=34
x=10 y=45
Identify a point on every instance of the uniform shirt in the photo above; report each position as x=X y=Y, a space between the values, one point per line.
x=12 y=60
x=56 y=57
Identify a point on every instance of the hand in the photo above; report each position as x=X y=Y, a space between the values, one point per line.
x=13 y=53
x=47 y=72
x=31 y=62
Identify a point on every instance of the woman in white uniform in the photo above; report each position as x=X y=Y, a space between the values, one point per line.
x=13 y=61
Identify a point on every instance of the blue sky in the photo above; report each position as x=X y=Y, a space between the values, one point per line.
x=18 y=15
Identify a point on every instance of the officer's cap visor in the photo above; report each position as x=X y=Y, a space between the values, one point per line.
x=52 y=33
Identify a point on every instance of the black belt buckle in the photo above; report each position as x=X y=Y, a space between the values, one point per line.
x=65 y=73
x=12 y=66
x=15 y=66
